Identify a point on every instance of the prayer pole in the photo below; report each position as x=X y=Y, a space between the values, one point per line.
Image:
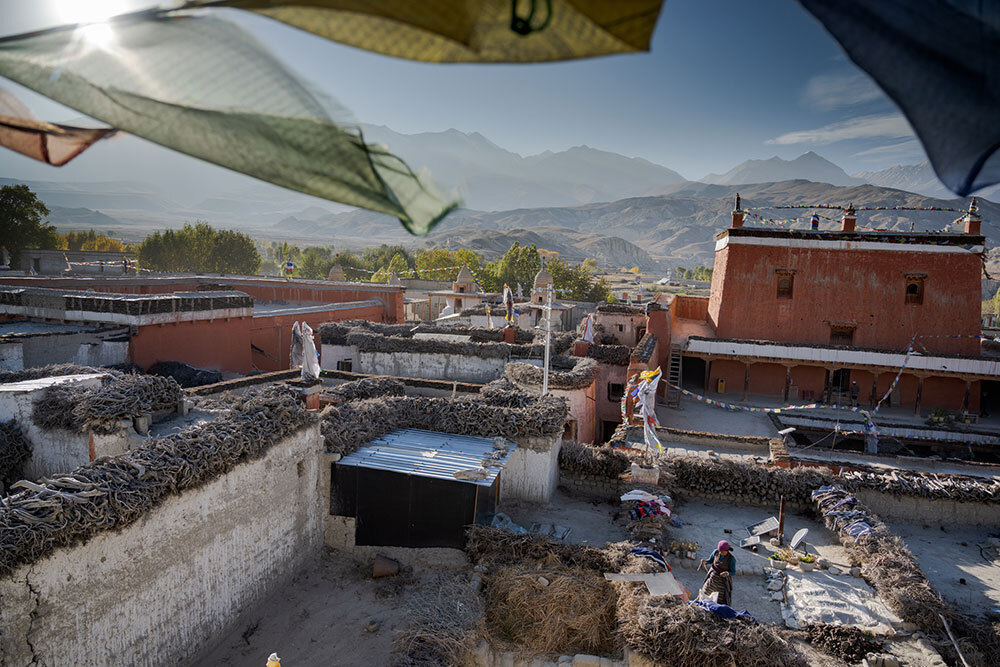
x=781 y=522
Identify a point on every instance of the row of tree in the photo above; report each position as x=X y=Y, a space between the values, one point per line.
x=199 y=248
x=697 y=273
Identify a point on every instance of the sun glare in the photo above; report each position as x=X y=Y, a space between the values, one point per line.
x=88 y=11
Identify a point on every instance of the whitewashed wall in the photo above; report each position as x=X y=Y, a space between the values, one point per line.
x=11 y=356
x=531 y=474
x=59 y=450
x=329 y=355
x=161 y=589
x=435 y=366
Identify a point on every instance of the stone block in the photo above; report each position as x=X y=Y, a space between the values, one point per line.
x=584 y=660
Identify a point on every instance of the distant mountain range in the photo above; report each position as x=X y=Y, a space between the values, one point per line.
x=581 y=202
x=918 y=178
x=489 y=178
x=808 y=166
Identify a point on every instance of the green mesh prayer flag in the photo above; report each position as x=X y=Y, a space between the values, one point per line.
x=202 y=86
x=510 y=31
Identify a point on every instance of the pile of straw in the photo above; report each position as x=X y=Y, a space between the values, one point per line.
x=493 y=546
x=444 y=622
x=553 y=609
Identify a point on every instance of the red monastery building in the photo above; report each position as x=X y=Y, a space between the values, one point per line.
x=802 y=313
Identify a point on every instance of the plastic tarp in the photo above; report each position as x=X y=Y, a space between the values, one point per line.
x=203 y=86
x=509 y=31
x=939 y=60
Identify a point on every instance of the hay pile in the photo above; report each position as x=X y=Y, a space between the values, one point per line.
x=110 y=493
x=673 y=633
x=747 y=480
x=962 y=488
x=493 y=546
x=55 y=370
x=100 y=409
x=372 y=387
x=444 y=622
x=847 y=643
x=348 y=426
x=15 y=450
x=581 y=375
x=578 y=459
x=550 y=608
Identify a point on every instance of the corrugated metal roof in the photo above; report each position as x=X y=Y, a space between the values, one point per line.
x=414 y=451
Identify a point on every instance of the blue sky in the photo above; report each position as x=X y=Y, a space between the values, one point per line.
x=725 y=81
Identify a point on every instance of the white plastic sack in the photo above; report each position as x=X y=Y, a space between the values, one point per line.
x=310 y=357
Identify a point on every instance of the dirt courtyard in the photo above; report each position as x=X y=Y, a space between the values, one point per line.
x=331 y=613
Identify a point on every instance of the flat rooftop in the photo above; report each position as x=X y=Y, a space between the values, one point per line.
x=912 y=238
x=24 y=327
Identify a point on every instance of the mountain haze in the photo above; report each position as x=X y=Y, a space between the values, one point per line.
x=808 y=166
x=918 y=178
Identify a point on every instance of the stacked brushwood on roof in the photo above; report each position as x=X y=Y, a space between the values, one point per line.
x=110 y=493
x=15 y=450
x=581 y=375
x=893 y=571
x=372 y=387
x=335 y=333
x=579 y=459
x=643 y=351
x=615 y=355
x=100 y=409
x=962 y=488
x=619 y=309
x=348 y=426
x=54 y=370
x=746 y=480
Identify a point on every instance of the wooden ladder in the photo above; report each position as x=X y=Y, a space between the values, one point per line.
x=672 y=396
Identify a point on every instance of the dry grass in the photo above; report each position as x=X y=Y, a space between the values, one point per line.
x=493 y=546
x=573 y=613
x=445 y=624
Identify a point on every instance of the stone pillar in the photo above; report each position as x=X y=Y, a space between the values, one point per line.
x=965 y=399
x=708 y=375
x=874 y=395
x=920 y=391
x=788 y=382
x=828 y=385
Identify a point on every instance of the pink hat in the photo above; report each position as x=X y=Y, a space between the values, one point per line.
x=723 y=545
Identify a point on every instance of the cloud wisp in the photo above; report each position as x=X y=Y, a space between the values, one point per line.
x=827 y=92
x=878 y=126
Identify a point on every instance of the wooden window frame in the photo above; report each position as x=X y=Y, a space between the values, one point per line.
x=919 y=280
x=783 y=275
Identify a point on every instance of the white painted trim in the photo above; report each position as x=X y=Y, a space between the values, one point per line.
x=843 y=245
x=848 y=357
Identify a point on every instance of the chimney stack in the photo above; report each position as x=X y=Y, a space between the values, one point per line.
x=850 y=219
x=738 y=213
x=973 y=221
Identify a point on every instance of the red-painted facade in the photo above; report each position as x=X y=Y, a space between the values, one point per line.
x=859 y=288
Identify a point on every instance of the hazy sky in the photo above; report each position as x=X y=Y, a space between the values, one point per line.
x=726 y=80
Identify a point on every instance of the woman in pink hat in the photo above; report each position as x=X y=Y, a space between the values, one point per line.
x=721 y=569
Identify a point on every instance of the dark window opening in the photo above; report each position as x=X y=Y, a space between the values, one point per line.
x=608 y=429
x=569 y=431
x=915 y=291
x=615 y=391
x=621 y=328
x=344 y=365
x=458 y=304
x=841 y=335
x=36 y=265
x=786 y=285
x=461 y=288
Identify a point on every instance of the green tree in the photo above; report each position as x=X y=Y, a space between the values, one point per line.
x=22 y=222
x=315 y=262
x=201 y=249
x=517 y=266
x=396 y=265
x=576 y=282
x=441 y=264
x=374 y=259
x=590 y=265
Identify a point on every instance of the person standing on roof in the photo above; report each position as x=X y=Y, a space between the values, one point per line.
x=721 y=570
x=854 y=394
